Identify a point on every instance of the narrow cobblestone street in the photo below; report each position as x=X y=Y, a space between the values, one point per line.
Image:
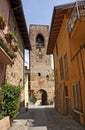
x=44 y=118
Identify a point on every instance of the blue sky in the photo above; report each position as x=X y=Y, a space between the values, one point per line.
x=39 y=12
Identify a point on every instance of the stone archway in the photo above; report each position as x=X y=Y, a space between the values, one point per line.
x=43 y=97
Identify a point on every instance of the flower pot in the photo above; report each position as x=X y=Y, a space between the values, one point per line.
x=8 y=39
x=14 y=48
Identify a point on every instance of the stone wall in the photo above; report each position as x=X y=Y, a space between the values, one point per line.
x=15 y=72
x=40 y=68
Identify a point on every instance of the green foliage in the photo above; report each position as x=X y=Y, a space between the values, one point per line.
x=14 y=46
x=11 y=35
x=11 y=54
x=1 y=116
x=10 y=104
x=1 y=95
x=7 y=50
x=2 y=18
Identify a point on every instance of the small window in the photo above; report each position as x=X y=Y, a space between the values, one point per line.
x=77 y=96
x=66 y=91
x=39 y=74
x=39 y=41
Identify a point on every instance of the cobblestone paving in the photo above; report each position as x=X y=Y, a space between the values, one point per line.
x=44 y=118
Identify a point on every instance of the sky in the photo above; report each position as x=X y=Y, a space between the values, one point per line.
x=39 y=12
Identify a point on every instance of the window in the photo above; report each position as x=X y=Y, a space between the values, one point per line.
x=39 y=41
x=66 y=91
x=77 y=96
x=39 y=74
x=66 y=67
x=61 y=69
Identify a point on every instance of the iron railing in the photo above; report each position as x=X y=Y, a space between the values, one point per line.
x=77 y=12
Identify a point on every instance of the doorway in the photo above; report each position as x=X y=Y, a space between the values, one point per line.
x=43 y=97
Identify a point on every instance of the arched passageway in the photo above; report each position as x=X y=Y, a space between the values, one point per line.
x=43 y=97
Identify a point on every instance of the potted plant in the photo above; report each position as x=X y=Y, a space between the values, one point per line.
x=10 y=105
x=10 y=36
x=6 y=49
x=12 y=54
x=2 y=21
x=14 y=46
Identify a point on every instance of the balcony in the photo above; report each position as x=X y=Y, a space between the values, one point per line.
x=76 y=23
x=6 y=54
x=4 y=58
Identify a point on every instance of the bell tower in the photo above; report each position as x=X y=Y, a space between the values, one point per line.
x=41 y=73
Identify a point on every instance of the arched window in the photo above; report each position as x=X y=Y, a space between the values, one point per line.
x=39 y=41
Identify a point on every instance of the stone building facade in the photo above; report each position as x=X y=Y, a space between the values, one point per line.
x=41 y=73
x=12 y=69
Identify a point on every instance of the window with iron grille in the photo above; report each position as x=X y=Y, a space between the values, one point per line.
x=77 y=97
x=66 y=67
x=61 y=69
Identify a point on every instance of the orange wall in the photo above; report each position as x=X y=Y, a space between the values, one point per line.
x=70 y=46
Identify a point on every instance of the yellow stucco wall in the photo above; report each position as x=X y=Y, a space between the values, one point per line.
x=69 y=45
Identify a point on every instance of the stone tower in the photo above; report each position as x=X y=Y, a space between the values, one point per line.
x=41 y=73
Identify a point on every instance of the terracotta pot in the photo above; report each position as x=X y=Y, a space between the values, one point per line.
x=8 y=39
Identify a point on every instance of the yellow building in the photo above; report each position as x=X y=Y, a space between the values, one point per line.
x=67 y=44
